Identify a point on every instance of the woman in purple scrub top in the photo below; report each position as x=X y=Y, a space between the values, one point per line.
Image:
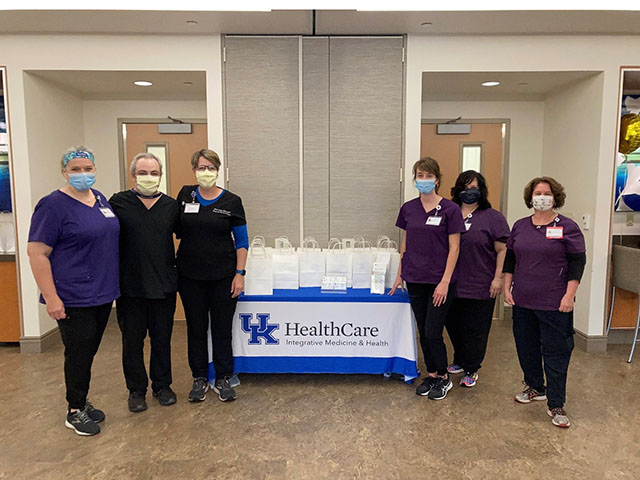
x=73 y=252
x=478 y=273
x=542 y=270
x=429 y=253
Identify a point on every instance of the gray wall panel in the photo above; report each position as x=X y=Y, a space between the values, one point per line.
x=366 y=94
x=315 y=95
x=262 y=132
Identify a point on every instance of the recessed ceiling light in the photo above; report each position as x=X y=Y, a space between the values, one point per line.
x=192 y=22
x=142 y=83
x=426 y=24
x=490 y=84
x=188 y=83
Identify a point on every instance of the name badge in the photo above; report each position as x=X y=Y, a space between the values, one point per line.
x=107 y=212
x=434 y=221
x=555 y=232
x=191 y=207
x=467 y=225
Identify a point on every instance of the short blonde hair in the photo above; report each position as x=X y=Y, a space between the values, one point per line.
x=208 y=155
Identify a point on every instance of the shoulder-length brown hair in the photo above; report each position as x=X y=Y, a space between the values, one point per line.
x=556 y=189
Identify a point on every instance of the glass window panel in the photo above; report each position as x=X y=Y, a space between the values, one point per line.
x=471 y=157
x=160 y=151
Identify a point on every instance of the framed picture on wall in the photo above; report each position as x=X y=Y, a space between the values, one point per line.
x=5 y=173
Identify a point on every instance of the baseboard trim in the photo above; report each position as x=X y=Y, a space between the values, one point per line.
x=621 y=337
x=40 y=344
x=591 y=343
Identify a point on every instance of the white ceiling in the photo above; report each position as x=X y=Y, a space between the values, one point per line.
x=461 y=86
x=118 y=85
x=334 y=22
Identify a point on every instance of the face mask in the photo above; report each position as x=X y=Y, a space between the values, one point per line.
x=426 y=186
x=542 y=202
x=470 y=196
x=82 y=181
x=206 y=179
x=147 y=184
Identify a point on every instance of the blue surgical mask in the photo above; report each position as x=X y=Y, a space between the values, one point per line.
x=425 y=186
x=82 y=181
x=470 y=196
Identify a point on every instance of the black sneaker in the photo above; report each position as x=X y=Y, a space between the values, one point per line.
x=81 y=423
x=137 y=402
x=426 y=385
x=440 y=389
x=224 y=390
x=95 y=414
x=199 y=390
x=166 y=396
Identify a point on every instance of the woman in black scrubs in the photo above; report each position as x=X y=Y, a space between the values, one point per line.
x=211 y=259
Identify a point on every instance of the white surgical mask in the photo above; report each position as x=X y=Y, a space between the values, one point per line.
x=206 y=179
x=147 y=184
x=542 y=202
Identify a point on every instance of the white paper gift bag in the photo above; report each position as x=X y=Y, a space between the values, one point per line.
x=285 y=266
x=391 y=247
x=311 y=261
x=7 y=233
x=361 y=262
x=259 y=278
x=339 y=261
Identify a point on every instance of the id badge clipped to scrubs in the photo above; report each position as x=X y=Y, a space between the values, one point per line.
x=435 y=220
x=193 y=207
x=555 y=232
x=106 y=211
x=467 y=222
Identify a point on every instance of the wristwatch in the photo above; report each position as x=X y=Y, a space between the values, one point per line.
x=241 y=272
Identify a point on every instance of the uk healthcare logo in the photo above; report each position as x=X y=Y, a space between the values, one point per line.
x=261 y=330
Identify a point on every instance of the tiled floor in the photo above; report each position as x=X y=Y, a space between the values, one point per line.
x=323 y=426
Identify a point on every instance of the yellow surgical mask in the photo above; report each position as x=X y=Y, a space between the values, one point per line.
x=206 y=179
x=147 y=184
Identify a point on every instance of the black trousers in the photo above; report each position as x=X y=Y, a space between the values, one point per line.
x=136 y=317
x=430 y=321
x=468 y=325
x=81 y=334
x=204 y=299
x=544 y=335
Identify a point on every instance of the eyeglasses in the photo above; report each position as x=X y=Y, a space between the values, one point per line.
x=204 y=168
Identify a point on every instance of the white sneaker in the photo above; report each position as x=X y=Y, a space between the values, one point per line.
x=529 y=395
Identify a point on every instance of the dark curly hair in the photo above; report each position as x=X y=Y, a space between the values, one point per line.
x=556 y=189
x=464 y=179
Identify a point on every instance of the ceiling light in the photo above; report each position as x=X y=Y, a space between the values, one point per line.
x=142 y=83
x=426 y=24
x=490 y=84
x=192 y=22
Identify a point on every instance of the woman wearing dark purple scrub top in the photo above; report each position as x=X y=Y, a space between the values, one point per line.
x=73 y=251
x=543 y=268
x=429 y=253
x=479 y=277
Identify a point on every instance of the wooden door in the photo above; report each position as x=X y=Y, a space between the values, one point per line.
x=446 y=149
x=178 y=148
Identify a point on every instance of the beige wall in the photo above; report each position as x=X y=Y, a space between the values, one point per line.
x=54 y=121
x=101 y=130
x=525 y=153
x=91 y=52
x=571 y=144
x=542 y=53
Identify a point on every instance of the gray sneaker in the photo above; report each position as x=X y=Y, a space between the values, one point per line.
x=223 y=388
x=199 y=389
x=559 y=417
x=529 y=394
x=81 y=423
